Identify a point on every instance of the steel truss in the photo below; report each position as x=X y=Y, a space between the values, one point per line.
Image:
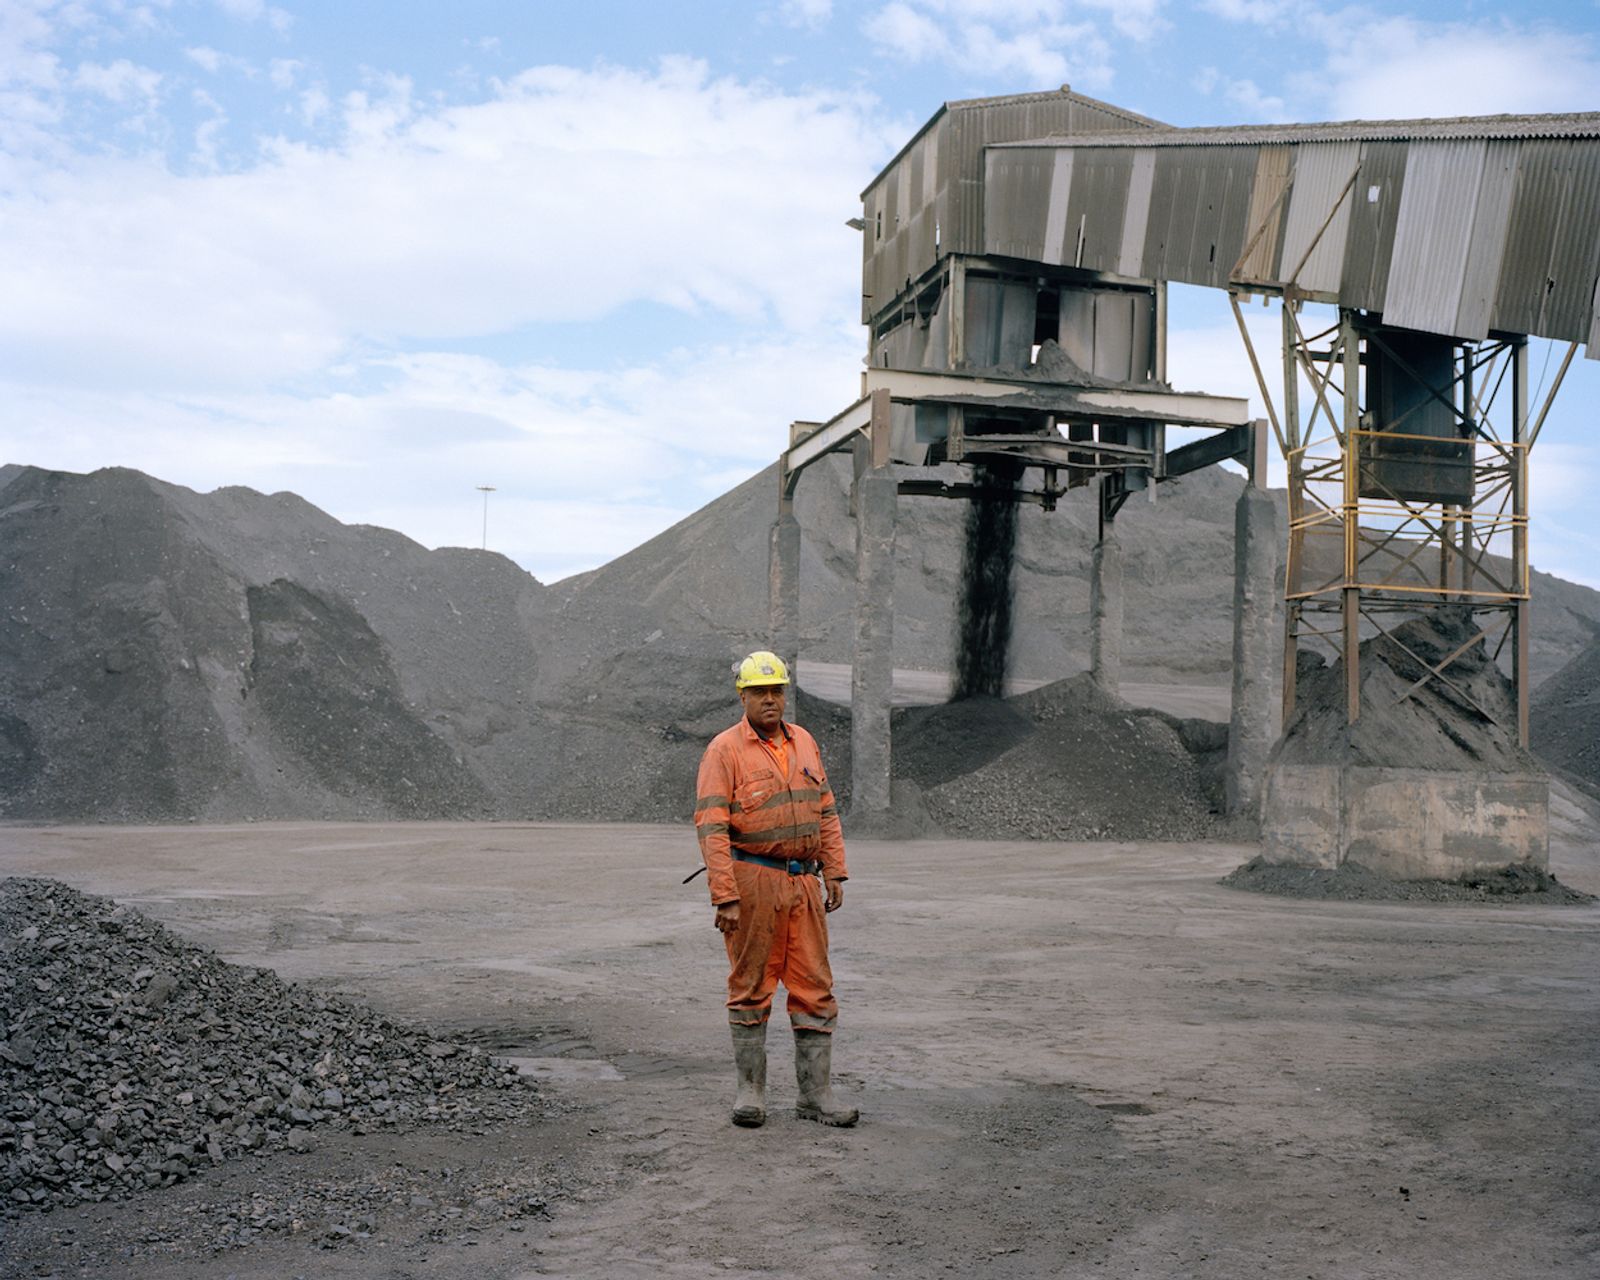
x=1359 y=553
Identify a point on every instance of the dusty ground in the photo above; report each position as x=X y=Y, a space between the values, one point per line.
x=1073 y=1060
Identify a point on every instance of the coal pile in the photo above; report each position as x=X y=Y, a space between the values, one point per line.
x=1466 y=721
x=167 y=655
x=1565 y=716
x=130 y=1059
x=1067 y=761
x=983 y=618
x=1352 y=882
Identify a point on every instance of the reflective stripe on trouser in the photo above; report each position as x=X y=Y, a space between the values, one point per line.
x=782 y=937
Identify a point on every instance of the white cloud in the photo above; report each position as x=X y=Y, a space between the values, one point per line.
x=806 y=13
x=1136 y=19
x=566 y=196
x=908 y=33
x=255 y=11
x=1403 y=68
x=121 y=82
x=587 y=462
x=288 y=324
x=212 y=61
x=1026 y=44
x=283 y=71
x=1264 y=12
x=1253 y=105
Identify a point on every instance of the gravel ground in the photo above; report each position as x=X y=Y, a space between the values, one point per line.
x=1073 y=1060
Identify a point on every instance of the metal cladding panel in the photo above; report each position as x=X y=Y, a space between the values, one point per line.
x=1136 y=217
x=1432 y=235
x=1537 y=200
x=1318 y=222
x=1055 y=220
x=1265 y=214
x=1480 y=276
x=1096 y=208
x=999 y=323
x=1575 y=256
x=1369 y=245
x=1016 y=192
x=968 y=129
x=1198 y=206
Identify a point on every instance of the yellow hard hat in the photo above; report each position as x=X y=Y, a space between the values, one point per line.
x=761 y=667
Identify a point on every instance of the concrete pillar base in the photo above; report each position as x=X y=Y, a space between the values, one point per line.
x=1407 y=824
x=872 y=667
x=783 y=588
x=1257 y=672
x=1105 y=613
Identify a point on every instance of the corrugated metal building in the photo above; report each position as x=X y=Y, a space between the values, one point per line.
x=1454 y=227
x=930 y=199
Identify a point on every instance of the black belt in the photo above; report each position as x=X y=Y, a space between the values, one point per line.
x=794 y=866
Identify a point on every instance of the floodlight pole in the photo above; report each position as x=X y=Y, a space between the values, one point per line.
x=486 y=490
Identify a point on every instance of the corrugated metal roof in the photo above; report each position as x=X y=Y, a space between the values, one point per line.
x=1318 y=221
x=1265 y=219
x=1136 y=219
x=1433 y=234
x=1576 y=124
x=1095 y=209
x=1055 y=218
x=1480 y=273
x=1369 y=244
x=1197 y=214
x=1094 y=113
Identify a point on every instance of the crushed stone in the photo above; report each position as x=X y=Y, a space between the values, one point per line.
x=131 y=1059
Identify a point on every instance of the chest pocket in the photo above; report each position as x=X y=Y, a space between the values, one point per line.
x=751 y=795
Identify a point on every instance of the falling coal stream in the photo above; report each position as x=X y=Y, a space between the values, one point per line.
x=983 y=622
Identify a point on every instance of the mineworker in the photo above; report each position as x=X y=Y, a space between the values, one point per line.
x=768 y=828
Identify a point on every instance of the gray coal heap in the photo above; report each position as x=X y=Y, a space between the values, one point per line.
x=130 y=1059
x=1467 y=721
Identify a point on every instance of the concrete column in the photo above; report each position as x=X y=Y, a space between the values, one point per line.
x=783 y=587
x=872 y=670
x=1105 y=611
x=1253 y=727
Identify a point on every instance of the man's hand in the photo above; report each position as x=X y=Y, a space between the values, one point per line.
x=728 y=917
x=835 y=895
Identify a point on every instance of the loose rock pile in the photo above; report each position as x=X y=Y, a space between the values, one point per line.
x=1067 y=761
x=1352 y=882
x=131 y=1059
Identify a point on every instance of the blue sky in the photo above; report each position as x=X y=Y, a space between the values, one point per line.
x=594 y=255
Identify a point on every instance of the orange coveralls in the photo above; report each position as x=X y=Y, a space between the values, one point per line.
x=771 y=800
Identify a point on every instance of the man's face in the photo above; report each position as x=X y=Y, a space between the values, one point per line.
x=763 y=707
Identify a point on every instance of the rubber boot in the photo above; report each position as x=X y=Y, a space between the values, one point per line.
x=813 y=1067
x=750 y=1057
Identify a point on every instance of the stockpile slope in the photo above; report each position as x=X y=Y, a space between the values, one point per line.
x=1565 y=720
x=169 y=655
x=1408 y=719
x=708 y=575
x=173 y=655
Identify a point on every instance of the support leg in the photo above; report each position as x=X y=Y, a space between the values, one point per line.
x=1105 y=611
x=1253 y=726
x=783 y=586
x=872 y=672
